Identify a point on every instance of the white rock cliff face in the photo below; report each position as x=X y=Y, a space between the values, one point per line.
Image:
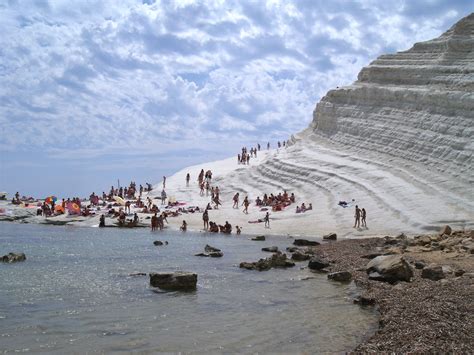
x=417 y=105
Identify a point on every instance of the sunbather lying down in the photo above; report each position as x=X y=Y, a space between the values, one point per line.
x=260 y=220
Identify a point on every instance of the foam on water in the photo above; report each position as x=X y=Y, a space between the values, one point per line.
x=74 y=294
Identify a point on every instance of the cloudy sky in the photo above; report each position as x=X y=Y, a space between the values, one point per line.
x=94 y=90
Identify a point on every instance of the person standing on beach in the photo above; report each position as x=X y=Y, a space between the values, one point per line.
x=154 y=222
x=188 y=177
x=364 y=215
x=163 y=196
x=102 y=220
x=236 y=200
x=357 y=217
x=205 y=218
x=246 y=204
x=267 y=220
x=201 y=177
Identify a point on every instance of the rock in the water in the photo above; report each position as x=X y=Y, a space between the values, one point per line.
x=202 y=254
x=305 y=242
x=300 y=256
x=317 y=264
x=158 y=243
x=330 y=236
x=341 y=276
x=259 y=238
x=389 y=268
x=292 y=249
x=216 y=254
x=275 y=261
x=445 y=230
x=209 y=249
x=137 y=274
x=272 y=249
x=364 y=301
x=13 y=258
x=433 y=272
x=174 y=281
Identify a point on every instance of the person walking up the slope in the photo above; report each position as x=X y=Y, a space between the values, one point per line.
x=188 y=177
x=357 y=217
x=364 y=215
x=164 y=182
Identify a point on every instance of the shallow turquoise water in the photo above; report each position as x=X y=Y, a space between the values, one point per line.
x=73 y=294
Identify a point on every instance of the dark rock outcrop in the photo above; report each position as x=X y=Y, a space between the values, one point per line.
x=317 y=264
x=174 y=281
x=13 y=258
x=433 y=272
x=300 y=256
x=305 y=242
x=272 y=249
x=209 y=249
x=277 y=260
x=330 y=236
x=341 y=276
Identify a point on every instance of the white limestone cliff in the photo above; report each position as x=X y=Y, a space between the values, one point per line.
x=417 y=105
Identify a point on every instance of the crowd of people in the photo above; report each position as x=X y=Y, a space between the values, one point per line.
x=119 y=202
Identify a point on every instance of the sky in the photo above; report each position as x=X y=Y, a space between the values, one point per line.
x=92 y=91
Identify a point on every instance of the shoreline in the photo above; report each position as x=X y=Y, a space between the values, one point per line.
x=417 y=316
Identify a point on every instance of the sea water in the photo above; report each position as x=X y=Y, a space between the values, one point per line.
x=74 y=294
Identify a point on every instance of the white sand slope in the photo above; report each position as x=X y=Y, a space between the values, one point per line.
x=398 y=197
x=399 y=141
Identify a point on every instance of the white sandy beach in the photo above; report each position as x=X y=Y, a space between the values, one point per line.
x=399 y=196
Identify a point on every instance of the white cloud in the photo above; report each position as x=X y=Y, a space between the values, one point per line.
x=95 y=75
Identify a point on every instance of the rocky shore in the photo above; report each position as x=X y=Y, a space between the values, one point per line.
x=430 y=313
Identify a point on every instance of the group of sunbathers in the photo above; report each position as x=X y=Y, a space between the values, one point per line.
x=303 y=208
x=277 y=203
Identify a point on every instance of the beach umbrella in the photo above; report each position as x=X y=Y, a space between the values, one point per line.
x=73 y=208
x=51 y=199
x=119 y=200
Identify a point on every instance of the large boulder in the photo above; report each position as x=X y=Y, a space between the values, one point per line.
x=277 y=260
x=13 y=258
x=174 y=281
x=317 y=264
x=305 y=242
x=341 y=276
x=433 y=272
x=330 y=236
x=389 y=268
x=445 y=230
